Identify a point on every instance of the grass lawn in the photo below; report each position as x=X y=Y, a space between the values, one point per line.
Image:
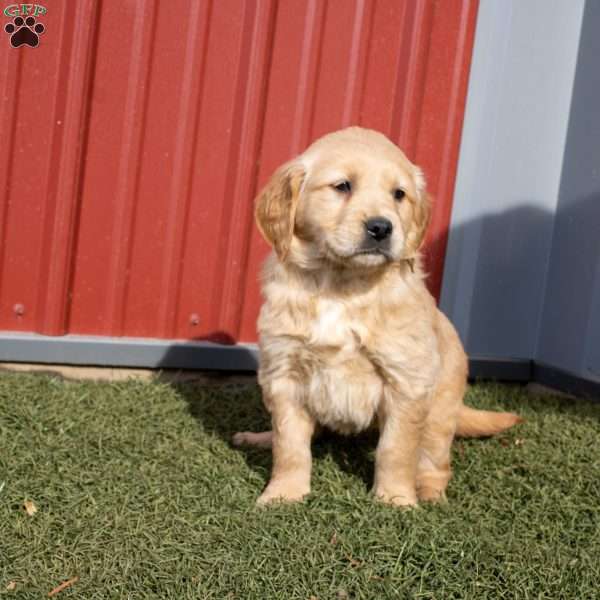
x=139 y=494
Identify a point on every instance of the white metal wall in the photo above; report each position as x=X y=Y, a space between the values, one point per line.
x=509 y=173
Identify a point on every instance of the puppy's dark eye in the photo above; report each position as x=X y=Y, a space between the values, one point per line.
x=343 y=186
x=399 y=194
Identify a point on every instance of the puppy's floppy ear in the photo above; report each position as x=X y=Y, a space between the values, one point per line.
x=421 y=216
x=276 y=206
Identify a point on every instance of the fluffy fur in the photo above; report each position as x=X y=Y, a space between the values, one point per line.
x=349 y=335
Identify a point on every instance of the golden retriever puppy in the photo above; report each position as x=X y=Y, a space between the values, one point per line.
x=349 y=335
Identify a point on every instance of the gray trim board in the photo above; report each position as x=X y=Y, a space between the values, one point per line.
x=127 y=352
x=505 y=369
x=566 y=381
x=181 y=354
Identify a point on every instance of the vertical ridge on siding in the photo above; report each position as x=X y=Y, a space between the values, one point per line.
x=356 y=61
x=312 y=44
x=136 y=105
x=11 y=78
x=416 y=40
x=62 y=187
x=237 y=227
x=357 y=109
x=188 y=110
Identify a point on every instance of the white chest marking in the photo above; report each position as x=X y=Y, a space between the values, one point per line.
x=330 y=326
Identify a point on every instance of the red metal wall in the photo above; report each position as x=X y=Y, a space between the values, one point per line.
x=135 y=135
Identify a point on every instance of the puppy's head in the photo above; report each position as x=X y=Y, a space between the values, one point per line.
x=352 y=198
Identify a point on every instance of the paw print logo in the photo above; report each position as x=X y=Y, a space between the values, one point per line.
x=24 y=32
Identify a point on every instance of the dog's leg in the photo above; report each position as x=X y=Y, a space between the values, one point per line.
x=433 y=470
x=292 y=433
x=263 y=439
x=400 y=426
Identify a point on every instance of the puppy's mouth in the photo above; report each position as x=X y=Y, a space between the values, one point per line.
x=374 y=248
x=372 y=251
x=363 y=256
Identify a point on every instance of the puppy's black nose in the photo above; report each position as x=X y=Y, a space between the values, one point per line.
x=379 y=228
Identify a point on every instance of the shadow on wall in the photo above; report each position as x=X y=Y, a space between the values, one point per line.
x=570 y=329
x=523 y=283
x=494 y=279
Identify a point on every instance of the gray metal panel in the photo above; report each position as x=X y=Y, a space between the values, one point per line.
x=126 y=352
x=179 y=354
x=509 y=171
x=509 y=369
x=565 y=381
x=570 y=331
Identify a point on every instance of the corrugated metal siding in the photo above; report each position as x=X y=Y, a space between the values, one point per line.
x=135 y=137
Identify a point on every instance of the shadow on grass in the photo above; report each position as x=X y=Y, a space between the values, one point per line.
x=223 y=408
x=233 y=403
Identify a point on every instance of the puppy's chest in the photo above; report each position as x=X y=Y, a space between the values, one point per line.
x=343 y=386
x=333 y=325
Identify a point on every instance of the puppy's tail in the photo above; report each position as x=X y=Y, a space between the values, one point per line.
x=483 y=423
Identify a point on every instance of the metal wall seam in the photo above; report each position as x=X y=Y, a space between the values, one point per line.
x=241 y=175
x=127 y=199
x=69 y=115
x=192 y=88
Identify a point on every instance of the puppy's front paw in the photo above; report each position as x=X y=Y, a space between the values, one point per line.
x=431 y=485
x=284 y=492
x=433 y=492
x=400 y=497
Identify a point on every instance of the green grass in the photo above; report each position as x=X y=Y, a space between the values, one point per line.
x=140 y=495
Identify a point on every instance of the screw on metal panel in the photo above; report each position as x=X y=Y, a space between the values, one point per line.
x=19 y=309
x=194 y=319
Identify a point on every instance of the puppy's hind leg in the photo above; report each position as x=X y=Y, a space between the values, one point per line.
x=433 y=470
x=264 y=439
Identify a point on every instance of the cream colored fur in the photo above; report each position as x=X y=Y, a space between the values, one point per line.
x=351 y=338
